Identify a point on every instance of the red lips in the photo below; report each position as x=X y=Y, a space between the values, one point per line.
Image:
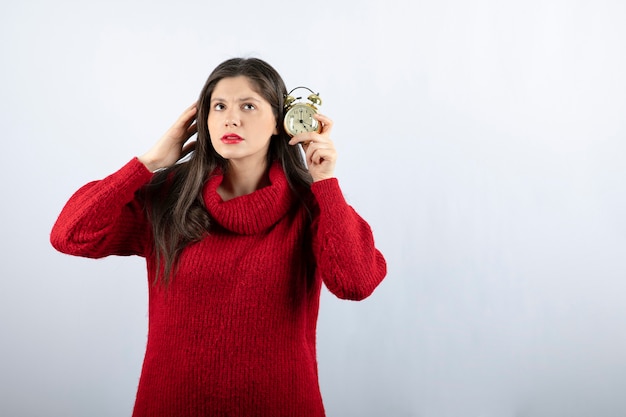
x=231 y=138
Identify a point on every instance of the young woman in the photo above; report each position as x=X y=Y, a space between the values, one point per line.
x=238 y=233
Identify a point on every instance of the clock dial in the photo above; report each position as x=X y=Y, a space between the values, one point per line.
x=308 y=123
x=299 y=116
x=299 y=119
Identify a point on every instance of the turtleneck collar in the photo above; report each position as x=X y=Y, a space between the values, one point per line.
x=252 y=213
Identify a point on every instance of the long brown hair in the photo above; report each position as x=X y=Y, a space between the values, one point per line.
x=174 y=196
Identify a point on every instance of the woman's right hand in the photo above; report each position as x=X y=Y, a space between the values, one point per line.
x=171 y=147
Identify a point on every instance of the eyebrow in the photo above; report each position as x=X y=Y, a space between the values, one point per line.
x=241 y=99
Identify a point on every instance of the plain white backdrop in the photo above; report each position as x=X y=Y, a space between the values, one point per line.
x=484 y=142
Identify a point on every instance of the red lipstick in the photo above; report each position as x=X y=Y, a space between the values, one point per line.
x=231 y=138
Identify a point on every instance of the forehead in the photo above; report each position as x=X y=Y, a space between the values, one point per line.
x=235 y=87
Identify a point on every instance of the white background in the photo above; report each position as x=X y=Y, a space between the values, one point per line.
x=484 y=141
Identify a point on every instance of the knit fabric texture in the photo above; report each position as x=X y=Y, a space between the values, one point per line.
x=234 y=333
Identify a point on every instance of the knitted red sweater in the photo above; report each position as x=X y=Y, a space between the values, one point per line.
x=234 y=334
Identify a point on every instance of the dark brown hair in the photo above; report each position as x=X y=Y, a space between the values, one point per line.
x=174 y=196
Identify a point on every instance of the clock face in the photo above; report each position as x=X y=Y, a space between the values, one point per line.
x=299 y=119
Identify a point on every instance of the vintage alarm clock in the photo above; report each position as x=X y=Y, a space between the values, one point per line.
x=299 y=114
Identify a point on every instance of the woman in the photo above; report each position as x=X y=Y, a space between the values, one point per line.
x=238 y=235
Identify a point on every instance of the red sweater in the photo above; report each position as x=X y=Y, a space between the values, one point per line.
x=234 y=334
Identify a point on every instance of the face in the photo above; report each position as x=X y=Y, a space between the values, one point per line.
x=241 y=122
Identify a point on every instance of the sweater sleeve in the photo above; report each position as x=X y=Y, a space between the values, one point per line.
x=343 y=245
x=104 y=217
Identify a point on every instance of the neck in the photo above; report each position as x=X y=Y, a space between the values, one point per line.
x=243 y=179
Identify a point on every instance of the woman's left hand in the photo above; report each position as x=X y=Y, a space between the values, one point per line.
x=319 y=149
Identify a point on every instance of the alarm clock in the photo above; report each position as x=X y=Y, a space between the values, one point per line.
x=299 y=114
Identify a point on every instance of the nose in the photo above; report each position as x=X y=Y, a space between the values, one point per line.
x=231 y=119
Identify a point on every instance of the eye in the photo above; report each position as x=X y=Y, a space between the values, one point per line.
x=219 y=106
x=249 y=106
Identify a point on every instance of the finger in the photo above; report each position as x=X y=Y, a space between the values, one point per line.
x=310 y=137
x=192 y=107
x=187 y=149
x=317 y=153
x=300 y=138
x=192 y=130
x=189 y=115
x=320 y=157
x=327 y=123
x=315 y=144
